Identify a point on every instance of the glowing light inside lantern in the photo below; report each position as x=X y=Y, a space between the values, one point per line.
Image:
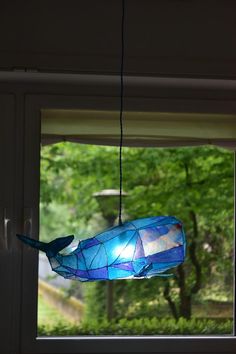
x=141 y=248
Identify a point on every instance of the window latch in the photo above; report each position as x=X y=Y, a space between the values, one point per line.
x=6 y=229
x=27 y=221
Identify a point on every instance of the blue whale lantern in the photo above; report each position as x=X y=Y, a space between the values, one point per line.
x=137 y=249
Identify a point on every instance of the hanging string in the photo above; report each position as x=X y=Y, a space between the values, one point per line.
x=121 y=107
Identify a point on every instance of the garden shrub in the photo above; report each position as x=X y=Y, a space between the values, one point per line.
x=142 y=326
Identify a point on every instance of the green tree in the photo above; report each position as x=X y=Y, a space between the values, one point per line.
x=194 y=184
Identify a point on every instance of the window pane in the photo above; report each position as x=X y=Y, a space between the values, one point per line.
x=193 y=184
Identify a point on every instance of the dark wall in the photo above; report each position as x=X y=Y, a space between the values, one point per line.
x=162 y=37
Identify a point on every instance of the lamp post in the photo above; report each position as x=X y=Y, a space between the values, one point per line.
x=108 y=200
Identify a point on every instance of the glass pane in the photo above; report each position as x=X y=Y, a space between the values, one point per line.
x=193 y=184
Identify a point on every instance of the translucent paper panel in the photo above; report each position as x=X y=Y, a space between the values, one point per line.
x=137 y=249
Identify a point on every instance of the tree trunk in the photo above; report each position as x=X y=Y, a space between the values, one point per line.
x=193 y=255
x=185 y=297
x=185 y=308
x=110 y=301
x=171 y=303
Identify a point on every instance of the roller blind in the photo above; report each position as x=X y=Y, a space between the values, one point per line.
x=161 y=129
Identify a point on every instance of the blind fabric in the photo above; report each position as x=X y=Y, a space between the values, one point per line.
x=141 y=129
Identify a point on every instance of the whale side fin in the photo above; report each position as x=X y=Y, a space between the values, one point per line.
x=144 y=270
x=51 y=248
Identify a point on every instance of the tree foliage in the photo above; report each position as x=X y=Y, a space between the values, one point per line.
x=193 y=184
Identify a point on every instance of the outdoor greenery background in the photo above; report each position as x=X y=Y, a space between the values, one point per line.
x=193 y=184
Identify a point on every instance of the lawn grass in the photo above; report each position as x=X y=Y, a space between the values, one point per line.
x=48 y=315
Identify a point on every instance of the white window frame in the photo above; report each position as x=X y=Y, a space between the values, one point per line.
x=101 y=344
x=34 y=92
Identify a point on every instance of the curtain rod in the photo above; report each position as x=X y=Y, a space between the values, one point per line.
x=90 y=79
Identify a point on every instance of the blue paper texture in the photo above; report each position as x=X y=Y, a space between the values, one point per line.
x=137 y=249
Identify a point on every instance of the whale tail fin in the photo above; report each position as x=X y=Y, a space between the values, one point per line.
x=50 y=248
